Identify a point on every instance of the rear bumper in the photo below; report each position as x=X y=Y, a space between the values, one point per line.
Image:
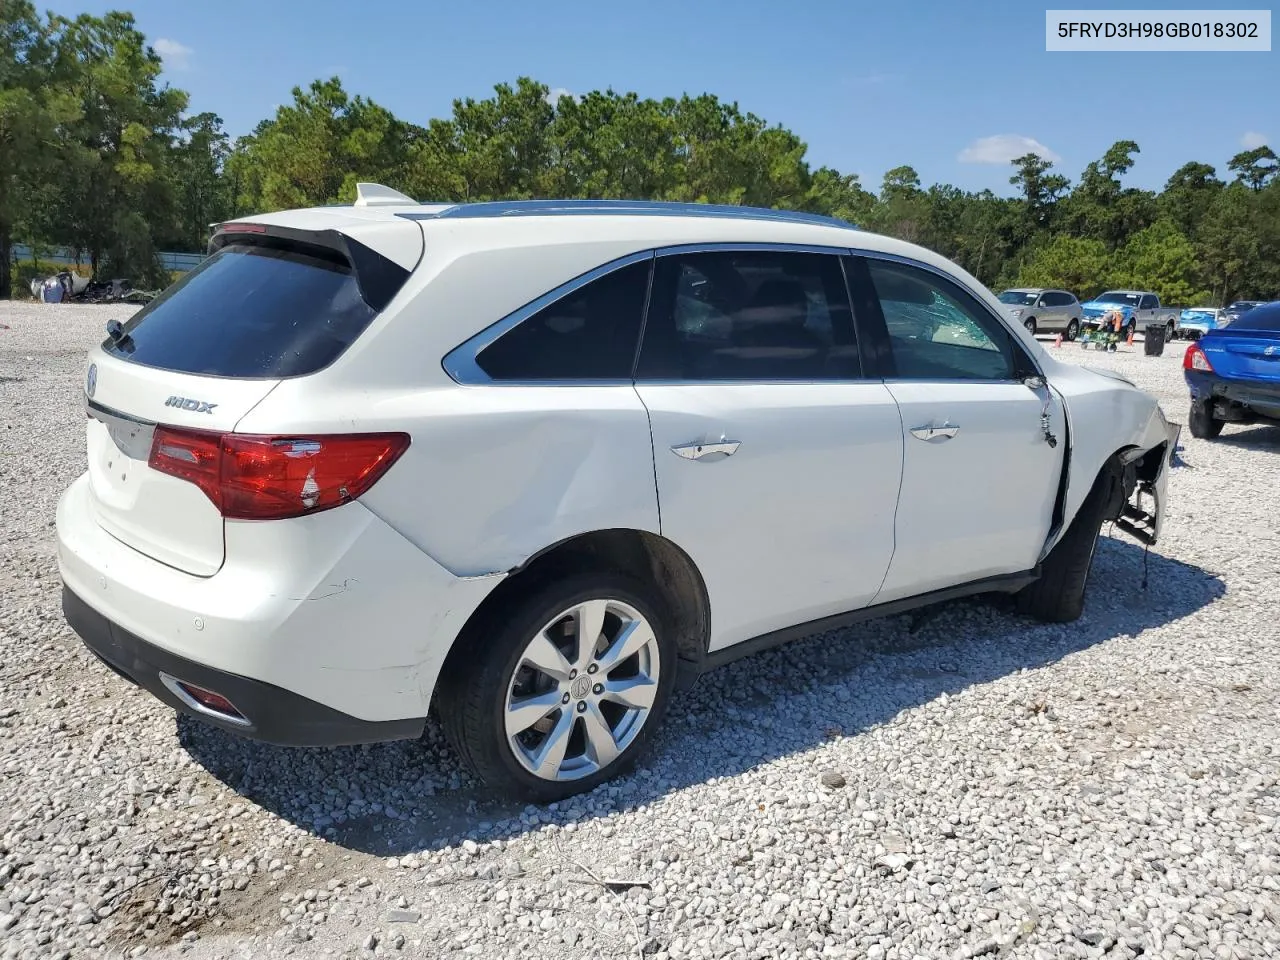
x=337 y=608
x=1261 y=399
x=270 y=713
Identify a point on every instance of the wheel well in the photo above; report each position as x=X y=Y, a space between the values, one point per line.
x=646 y=556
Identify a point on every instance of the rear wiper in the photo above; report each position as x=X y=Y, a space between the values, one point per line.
x=119 y=338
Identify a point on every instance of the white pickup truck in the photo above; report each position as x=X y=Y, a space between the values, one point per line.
x=1138 y=307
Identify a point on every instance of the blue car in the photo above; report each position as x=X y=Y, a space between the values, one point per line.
x=1234 y=373
x=1195 y=322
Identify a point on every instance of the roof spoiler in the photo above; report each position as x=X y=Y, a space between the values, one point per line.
x=378 y=278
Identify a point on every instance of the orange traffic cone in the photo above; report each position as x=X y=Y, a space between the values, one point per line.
x=1129 y=342
x=1057 y=341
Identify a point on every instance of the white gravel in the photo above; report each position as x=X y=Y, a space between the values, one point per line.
x=984 y=785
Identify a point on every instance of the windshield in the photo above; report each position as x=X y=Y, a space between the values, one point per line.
x=1018 y=297
x=1240 y=306
x=1113 y=296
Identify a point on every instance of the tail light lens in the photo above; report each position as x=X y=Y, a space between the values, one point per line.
x=1194 y=359
x=251 y=477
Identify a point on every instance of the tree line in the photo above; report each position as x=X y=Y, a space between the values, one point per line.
x=98 y=155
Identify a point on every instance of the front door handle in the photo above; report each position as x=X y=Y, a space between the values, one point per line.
x=931 y=433
x=717 y=450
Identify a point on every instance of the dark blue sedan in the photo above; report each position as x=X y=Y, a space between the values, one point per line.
x=1234 y=373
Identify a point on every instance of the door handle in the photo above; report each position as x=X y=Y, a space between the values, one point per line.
x=931 y=433
x=717 y=449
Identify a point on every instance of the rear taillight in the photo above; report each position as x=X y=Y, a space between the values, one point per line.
x=1194 y=359
x=250 y=477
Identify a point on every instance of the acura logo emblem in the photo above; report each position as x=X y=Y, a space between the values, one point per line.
x=91 y=381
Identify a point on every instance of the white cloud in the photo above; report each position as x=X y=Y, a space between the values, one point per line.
x=1252 y=140
x=555 y=93
x=176 y=56
x=1004 y=147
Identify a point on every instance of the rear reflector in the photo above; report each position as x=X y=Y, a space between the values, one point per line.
x=252 y=477
x=212 y=701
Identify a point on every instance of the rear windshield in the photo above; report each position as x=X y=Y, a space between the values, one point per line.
x=1265 y=317
x=251 y=311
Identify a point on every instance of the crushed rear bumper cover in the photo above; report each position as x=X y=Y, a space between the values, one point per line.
x=271 y=714
x=1258 y=398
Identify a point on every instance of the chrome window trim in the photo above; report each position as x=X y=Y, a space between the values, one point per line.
x=461 y=366
x=460 y=362
x=750 y=246
x=929 y=268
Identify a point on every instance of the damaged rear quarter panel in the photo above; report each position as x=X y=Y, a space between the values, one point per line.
x=497 y=473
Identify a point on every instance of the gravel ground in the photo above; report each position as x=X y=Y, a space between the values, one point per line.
x=980 y=785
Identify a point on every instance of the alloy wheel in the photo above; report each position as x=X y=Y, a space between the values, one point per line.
x=582 y=690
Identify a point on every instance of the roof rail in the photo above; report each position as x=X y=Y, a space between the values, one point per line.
x=655 y=208
x=376 y=195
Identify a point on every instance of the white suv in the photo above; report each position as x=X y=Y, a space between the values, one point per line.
x=532 y=464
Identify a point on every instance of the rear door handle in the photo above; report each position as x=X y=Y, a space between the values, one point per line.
x=717 y=450
x=932 y=433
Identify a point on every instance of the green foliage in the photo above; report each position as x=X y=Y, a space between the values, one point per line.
x=1079 y=264
x=96 y=154
x=1160 y=259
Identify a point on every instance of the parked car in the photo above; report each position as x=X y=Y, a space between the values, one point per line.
x=1195 y=322
x=533 y=463
x=1138 y=308
x=1238 y=309
x=1044 y=311
x=1233 y=373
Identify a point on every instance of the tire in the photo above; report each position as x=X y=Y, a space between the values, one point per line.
x=1030 y=324
x=1170 y=332
x=1202 y=423
x=1073 y=330
x=493 y=672
x=1058 y=596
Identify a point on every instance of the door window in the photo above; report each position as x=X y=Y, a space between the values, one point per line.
x=749 y=315
x=937 y=331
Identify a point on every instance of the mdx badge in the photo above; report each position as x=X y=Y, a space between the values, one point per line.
x=91 y=380
x=186 y=403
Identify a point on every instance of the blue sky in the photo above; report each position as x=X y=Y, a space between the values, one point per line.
x=868 y=85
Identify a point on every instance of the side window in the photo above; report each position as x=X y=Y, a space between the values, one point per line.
x=1148 y=303
x=937 y=331
x=590 y=334
x=1056 y=299
x=751 y=315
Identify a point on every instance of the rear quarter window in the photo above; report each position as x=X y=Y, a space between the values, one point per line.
x=251 y=311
